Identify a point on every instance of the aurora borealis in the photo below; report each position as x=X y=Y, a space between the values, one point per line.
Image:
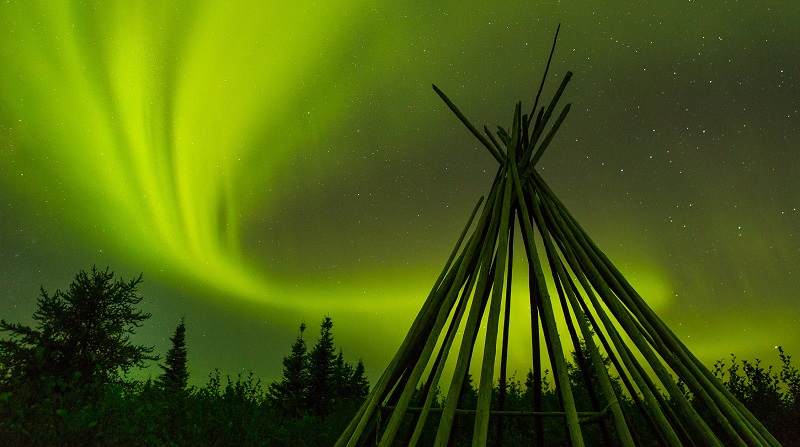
x=264 y=163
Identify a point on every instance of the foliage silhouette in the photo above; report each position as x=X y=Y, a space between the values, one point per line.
x=772 y=397
x=322 y=371
x=176 y=374
x=289 y=394
x=82 y=335
x=317 y=383
x=48 y=399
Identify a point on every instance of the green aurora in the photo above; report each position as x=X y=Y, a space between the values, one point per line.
x=264 y=163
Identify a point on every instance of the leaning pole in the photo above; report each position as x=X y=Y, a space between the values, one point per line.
x=581 y=306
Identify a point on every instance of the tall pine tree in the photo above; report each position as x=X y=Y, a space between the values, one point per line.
x=315 y=382
x=342 y=374
x=349 y=382
x=358 y=386
x=176 y=375
x=321 y=392
x=291 y=392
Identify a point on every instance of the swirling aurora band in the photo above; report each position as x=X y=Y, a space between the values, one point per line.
x=146 y=113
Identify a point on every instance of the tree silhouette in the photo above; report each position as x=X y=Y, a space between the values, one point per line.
x=237 y=412
x=317 y=383
x=82 y=334
x=322 y=370
x=291 y=392
x=176 y=376
x=358 y=386
x=21 y=355
x=342 y=372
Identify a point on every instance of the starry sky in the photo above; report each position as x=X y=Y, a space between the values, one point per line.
x=267 y=163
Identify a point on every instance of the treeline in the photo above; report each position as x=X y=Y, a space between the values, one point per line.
x=64 y=383
x=773 y=396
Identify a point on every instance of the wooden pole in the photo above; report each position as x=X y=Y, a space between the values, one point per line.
x=641 y=381
x=596 y=359
x=441 y=358
x=358 y=424
x=506 y=326
x=471 y=326
x=433 y=334
x=560 y=367
x=497 y=154
x=589 y=267
x=671 y=354
x=537 y=132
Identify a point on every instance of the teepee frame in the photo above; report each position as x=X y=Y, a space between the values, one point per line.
x=604 y=316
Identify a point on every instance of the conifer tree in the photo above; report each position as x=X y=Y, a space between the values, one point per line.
x=358 y=384
x=321 y=371
x=291 y=392
x=342 y=374
x=176 y=375
x=83 y=333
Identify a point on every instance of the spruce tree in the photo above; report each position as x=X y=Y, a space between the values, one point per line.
x=321 y=372
x=342 y=374
x=176 y=375
x=291 y=392
x=82 y=334
x=358 y=385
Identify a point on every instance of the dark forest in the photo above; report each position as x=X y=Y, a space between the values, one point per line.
x=65 y=382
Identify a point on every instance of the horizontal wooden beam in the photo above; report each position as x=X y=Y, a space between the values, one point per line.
x=586 y=416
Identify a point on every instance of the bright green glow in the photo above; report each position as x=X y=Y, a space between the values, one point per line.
x=165 y=131
x=173 y=116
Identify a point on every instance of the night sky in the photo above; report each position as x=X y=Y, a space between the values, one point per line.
x=267 y=163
